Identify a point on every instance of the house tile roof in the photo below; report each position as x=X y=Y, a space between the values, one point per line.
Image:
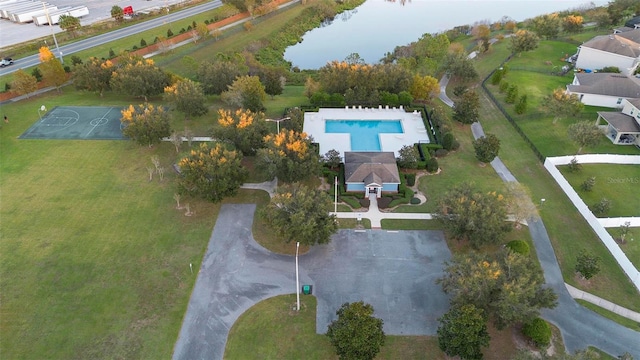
x=606 y=84
x=371 y=167
x=621 y=122
x=625 y=43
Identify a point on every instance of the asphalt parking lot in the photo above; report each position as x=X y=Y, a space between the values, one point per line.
x=393 y=271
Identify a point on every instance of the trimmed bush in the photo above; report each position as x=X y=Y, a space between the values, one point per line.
x=447 y=141
x=538 y=331
x=384 y=202
x=415 y=201
x=169 y=33
x=441 y=153
x=411 y=179
x=432 y=165
x=519 y=246
x=364 y=202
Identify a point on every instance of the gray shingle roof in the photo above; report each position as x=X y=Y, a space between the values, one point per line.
x=621 y=122
x=371 y=167
x=635 y=102
x=625 y=43
x=606 y=84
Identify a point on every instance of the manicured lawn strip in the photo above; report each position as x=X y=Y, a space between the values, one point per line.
x=546 y=58
x=633 y=325
x=612 y=284
x=631 y=246
x=614 y=182
x=292 y=335
x=407 y=224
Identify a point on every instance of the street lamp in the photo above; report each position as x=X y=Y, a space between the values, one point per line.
x=46 y=10
x=41 y=109
x=297 y=279
x=277 y=121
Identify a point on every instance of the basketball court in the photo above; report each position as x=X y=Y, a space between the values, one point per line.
x=78 y=123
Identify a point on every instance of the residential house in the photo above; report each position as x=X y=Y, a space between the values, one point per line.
x=621 y=50
x=604 y=89
x=622 y=128
x=371 y=172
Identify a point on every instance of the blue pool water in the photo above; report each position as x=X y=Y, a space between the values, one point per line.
x=364 y=133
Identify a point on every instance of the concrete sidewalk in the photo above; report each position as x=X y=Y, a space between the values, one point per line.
x=605 y=304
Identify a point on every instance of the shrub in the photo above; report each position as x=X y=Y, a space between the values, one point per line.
x=411 y=179
x=36 y=73
x=75 y=60
x=432 y=165
x=504 y=86
x=112 y=54
x=588 y=184
x=169 y=33
x=496 y=77
x=602 y=207
x=610 y=69
x=521 y=106
x=206 y=21
x=512 y=94
x=143 y=43
x=7 y=86
x=455 y=145
x=519 y=246
x=135 y=47
x=587 y=264
x=384 y=202
x=67 y=69
x=441 y=153
x=574 y=166
x=415 y=201
x=538 y=331
x=447 y=140
x=364 y=202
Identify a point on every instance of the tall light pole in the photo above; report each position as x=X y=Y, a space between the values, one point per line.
x=297 y=279
x=335 y=197
x=277 y=121
x=46 y=11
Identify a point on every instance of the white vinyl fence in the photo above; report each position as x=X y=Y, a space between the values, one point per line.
x=595 y=223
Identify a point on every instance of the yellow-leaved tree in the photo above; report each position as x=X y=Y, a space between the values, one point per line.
x=244 y=128
x=53 y=73
x=145 y=124
x=288 y=155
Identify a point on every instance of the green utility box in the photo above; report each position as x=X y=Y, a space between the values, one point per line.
x=307 y=289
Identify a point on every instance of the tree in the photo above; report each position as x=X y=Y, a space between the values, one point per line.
x=23 y=83
x=117 y=13
x=460 y=66
x=332 y=158
x=463 y=332
x=217 y=76
x=523 y=40
x=547 y=26
x=202 y=31
x=94 y=75
x=512 y=94
x=521 y=106
x=482 y=33
x=474 y=216
x=138 y=77
x=52 y=71
x=145 y=124
x=244 y=129
x=602 y=207
x=465 y=110
x=486 y=148
x=247 y=92
x=519 y=202
x=211 y=173
x=356 y=333
x=311 y=87
x=288 y=155
x=507 y=286
x=560 y=104
x=187 y=96
x=424 y=88
x=300 y=213
x=584 y=133
x=572 y=23
x=273 y=80
x=587 y=264
x=69 y=23
x=408 y=157
x=588 y=184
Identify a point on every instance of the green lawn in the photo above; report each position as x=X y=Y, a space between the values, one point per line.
x=618 y=183
x=631 y=246
x=292 y=335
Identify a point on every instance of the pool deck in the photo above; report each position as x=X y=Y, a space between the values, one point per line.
x=414 y=130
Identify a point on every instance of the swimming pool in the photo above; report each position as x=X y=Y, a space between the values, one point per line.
x=364 y=134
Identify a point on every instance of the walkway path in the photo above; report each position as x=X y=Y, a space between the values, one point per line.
x=444 y=81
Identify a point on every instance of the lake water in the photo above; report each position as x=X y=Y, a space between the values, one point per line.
x=378 y=26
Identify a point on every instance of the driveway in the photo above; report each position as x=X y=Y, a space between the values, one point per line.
x=393 y=271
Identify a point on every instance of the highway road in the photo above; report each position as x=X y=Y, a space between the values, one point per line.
x=85 y=44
